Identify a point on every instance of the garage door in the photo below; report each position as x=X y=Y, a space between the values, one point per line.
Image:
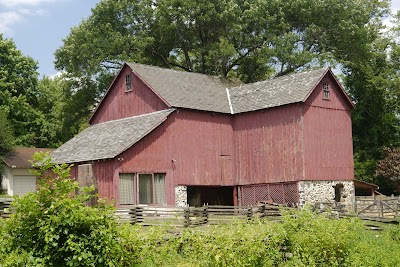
x=24 y=184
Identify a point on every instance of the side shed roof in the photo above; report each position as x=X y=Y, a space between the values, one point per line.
x=108 y=139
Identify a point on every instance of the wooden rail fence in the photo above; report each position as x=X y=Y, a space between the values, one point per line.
x=195 y=216
x=5 y=207
x=381 y=210
x=181 y=216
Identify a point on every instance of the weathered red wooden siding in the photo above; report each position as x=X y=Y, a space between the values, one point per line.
x=104 y=171
x=268 y=145
x=191 y=147
x=328 y=146
x=119 y=104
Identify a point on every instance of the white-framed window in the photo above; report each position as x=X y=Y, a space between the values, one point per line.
x=142 y=188
x=326 y=91
x=128 y=83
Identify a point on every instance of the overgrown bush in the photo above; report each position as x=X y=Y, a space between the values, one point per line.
x=54 y=227
x=301 y=239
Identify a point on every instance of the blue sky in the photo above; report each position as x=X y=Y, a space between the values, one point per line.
x=38 y=26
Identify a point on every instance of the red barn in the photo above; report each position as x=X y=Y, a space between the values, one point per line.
x=161 y=136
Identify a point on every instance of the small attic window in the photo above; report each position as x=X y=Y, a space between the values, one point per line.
x=128 y=83
x=325 y=88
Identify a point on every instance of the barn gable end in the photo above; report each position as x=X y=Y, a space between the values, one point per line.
x=327 y=147
x=119 y=102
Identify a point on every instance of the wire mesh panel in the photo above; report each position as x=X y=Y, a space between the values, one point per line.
x=281 y=193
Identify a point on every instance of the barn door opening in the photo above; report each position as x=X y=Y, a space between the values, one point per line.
x=211 y=195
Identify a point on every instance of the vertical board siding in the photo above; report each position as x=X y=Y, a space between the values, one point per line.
x=105 y=171
x=328 y=145
x=268 y=145
x=119 y=104
x=192 y=148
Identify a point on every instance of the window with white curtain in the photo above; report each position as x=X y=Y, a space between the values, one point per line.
x=126 y=188
x=151 y=187
x=142 y=188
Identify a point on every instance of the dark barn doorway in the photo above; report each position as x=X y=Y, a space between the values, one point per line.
x=211 y=195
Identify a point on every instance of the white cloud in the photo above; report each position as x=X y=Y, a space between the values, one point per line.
x=57 y=75
x=8 y=19
x=19 y=3
x=27 y=12
x=19 y=11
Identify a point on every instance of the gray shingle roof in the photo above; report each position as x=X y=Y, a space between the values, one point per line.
x=108 y=139
x=204 y=92
x=187 y=89
x=279 y=91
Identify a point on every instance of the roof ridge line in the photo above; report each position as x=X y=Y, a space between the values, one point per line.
x=182 y=71
x=229 y=100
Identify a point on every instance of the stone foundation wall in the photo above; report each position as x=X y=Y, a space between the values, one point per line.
x=311 y=192
x=181 y=196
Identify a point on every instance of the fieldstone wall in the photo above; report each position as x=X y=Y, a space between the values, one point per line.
x=181 y=196
x=311 y=192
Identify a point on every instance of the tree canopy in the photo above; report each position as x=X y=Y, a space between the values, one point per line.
x=26 y=103
x=247 y=39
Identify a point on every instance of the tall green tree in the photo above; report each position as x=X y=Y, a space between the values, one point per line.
x=6 y=135
x=66 y=106
x=25 y=102
x=374 y=84
x=18 y=81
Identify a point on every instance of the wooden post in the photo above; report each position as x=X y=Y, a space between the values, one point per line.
x=250 y=212
x=263 y=210
x=133 y=215
x=205 y=213
x=235 y=196
x=355 y=205
x=380 y=206
x=187 y=217
x=139 y=214
x=398 y=205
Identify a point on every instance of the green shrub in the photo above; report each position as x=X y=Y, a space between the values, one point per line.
x=248 y=244
x=54 y=227
x=316 y=240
